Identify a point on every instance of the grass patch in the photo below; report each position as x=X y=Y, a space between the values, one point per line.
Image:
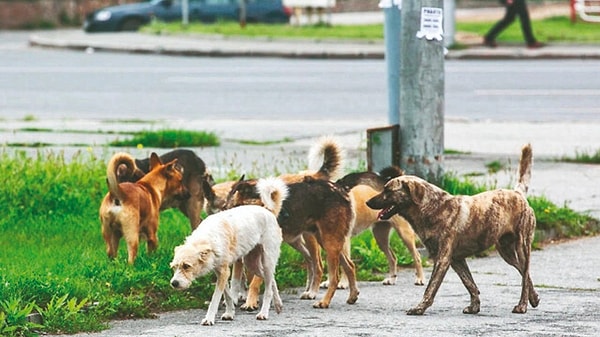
x=270 y=31
x=583 y=157
x=53 y=258
x=266 y=142
x=170 y=139
x=554 y=29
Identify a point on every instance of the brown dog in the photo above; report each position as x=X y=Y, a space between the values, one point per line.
x=131 y=210
x=195 y=175
x=244 y=192
x=362 y=186
x=456 y=227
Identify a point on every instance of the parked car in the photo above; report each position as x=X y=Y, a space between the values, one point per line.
x=130 y=17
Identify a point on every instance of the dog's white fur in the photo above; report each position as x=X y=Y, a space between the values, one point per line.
x=246 y=232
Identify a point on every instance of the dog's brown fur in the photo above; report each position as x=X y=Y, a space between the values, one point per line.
x=456 y=227
x=192 y=203
x=131 y=210
x=362 y=186
x=216 y=194
x=320 y=208
x=244 y=193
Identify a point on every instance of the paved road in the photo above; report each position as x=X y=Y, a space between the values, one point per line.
x=566 y=276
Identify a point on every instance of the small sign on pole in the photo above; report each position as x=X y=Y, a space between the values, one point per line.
x=383 y=147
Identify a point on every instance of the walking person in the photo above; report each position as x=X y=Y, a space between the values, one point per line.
x=513 y=8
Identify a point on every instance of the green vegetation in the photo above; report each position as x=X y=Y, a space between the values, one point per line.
x=53 y=259
x=555 y=29
x=583 y=157
x=170 y=139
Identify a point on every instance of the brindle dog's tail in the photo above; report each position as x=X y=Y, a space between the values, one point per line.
x=329 y=155
x=120 y=168
x=525 y=165
x=273 y=192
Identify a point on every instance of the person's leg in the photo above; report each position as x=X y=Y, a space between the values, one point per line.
x=509 y=17
x=521 y=10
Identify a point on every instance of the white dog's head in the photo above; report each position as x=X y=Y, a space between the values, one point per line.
x=190 y=262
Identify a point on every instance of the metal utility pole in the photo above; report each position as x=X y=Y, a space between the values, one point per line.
x=185 y=13
x=422 y=89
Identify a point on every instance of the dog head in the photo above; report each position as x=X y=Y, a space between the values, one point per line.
x=398 y=194
x=216 y=195
x=168 y=177
x=189 y=263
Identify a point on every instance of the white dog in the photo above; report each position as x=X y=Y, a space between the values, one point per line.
x=247 y=232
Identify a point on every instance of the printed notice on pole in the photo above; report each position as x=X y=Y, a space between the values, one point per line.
x=431 y=24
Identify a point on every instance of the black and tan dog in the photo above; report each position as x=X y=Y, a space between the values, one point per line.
x=362 y=186
x=194 y=176
x=131 y=210
x=456 y=227
x=244 y=192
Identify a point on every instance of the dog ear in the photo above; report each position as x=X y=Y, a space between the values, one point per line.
x=154 y=161
x=242 y=178
x=416 y=191
x=173 y=165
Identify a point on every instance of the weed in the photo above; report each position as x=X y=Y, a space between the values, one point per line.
x=583 y=157
x=13 y=318
x=170 y=139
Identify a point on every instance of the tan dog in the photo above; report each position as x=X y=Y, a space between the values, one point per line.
x=456 y=227
x=131 y=210
x=247 y=232
x=362 y=186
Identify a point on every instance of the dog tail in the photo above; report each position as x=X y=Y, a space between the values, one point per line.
x=326 y=157
x=525 y=165
x=273 y=192
x=121 y=168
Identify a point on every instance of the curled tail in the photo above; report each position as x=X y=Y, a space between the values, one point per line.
x=121 y=167
x=326 y=158
x=272 y=192
x=525 y=169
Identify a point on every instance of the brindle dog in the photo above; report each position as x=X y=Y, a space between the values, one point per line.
x=456 y=227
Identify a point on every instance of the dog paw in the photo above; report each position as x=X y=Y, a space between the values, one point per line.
x=419 y=282
x=415 y=311
x=307 y=296
x=389 y=281
x=207 y=321
x=278 y=307
x=227 y=317
x=472 y=309
x=249 y=307
x=520 y=309
x=534 y=300
x=352 y=297
x=324 y=284
x=320 y=305
x=262 y=317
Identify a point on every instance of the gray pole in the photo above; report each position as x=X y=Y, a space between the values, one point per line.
x=393 y=22
x=449 y=22
x=422 y=91
x=185 y=13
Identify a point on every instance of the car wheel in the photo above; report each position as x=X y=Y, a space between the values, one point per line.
x=130 y=24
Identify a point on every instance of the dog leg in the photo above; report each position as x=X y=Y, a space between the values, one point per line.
x=517 y=254
x=440 y=267
x=350 y=271
x=408 y=236
x=268 y=273
x=334 y=250
x=253 y=291
x=343 y=283
x=132 y=249
x=112 y=242
x=462 y=269
x=236 y=282
x=381 y=233
x=229 y=306
x=222 y=276
x=310 y=250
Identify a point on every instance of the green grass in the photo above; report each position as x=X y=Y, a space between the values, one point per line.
x=170 y=139
x=53 y=257
x=583 y=157
x=554 y=29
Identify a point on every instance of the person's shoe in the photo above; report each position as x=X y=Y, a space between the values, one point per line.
x=489 y=43
x=535 y=45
